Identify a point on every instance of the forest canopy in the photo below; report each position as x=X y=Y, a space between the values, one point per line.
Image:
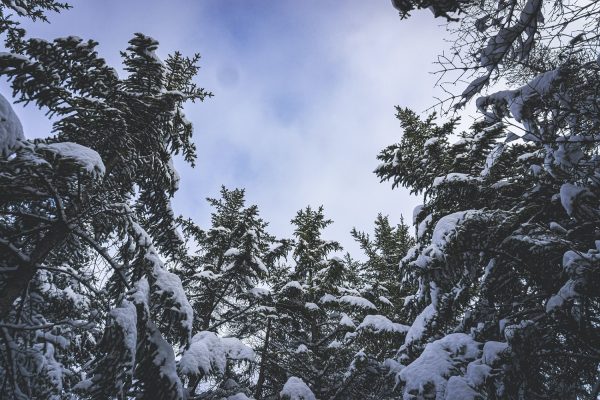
x=107 y=293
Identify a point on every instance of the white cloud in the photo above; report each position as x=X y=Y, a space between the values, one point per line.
x=304 y=96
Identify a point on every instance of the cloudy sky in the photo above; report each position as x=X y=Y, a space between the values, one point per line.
x=304 y=97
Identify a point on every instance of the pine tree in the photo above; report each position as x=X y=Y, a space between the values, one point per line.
x=12 y=11
x=315 y=316
x=380 y=281
x=76 y=213
x=225 y=279
x=381 y=271
x=506 y=258
x=488 y=262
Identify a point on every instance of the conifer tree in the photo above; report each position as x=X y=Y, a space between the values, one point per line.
x=225 y=280
x=315 y=318
x=380 y=273
x=76 y=212
x=381 y=333
x=506 y=259
x=488 y=269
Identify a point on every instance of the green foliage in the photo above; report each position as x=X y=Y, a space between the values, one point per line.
x=13 y=10
x=80 y=214
x=492 y=237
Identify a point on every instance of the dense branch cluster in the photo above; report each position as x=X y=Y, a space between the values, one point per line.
x=106 y=293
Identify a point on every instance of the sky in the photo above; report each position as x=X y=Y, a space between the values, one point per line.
x=304 y=97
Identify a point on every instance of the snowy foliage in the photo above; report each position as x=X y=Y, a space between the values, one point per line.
x=507 y=231
x=296 y=389
x=208 y=354
x=85 y=158
x=380 y=324
x=87 y=302
x=11 y=129
x=106 y=293
x=427 y=376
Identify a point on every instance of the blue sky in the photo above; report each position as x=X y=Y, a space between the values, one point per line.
x=304 y=97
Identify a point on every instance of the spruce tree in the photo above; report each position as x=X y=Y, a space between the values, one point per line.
x=488 y=270
x=225 y=281
x=86 y=220
x=506 y=260
x=316 y=314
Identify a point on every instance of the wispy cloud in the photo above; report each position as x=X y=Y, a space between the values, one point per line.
x=304 y=96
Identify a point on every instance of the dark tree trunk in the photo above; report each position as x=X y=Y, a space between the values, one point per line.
x=263 y=362
x=16 y=283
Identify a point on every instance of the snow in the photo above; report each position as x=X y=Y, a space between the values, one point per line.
x=296 y=389
x=174 y=174
x=516 y=100
x=575 y=263
x=416 y=211
x=381 y=324
x=84 y=157
x=428 y=375
x=569 y=194
x=204 y=354
x=458 y=389
x=445 y=230
x=423 y=225
x=235 y=349
x=292 y=285
x=499 y=45
x=556 y=227
x=11 y=129
x=347 y=321
x=141 y=294
x=385 y=300
x=301 y=349
x=259 y=292
x=57 y=340
x=165 y=283
x=453 y=177
x=475 y=87
x=393 y=366
x=208 y=275
x=168 y=282
x=260 y=264
x=513 y=331
x=492 y=351
x=478 y=372
x=126 y=318
x=327 y=298
x=491 y=159
x=164 y=358
x=208 y=354
x=357 y=301
x=431 y=141
x=54 y=369
x=417 y=329
x=336 y=259
x=232 y=252
x=311 y=306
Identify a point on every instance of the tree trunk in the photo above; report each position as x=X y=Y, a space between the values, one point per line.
x=263 y=362
x=16 y=283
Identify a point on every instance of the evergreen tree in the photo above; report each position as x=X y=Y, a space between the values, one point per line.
x=493 y=239
x=380 y=273
x=81 y=214
x=506 y=261
x=380 y=281
x=225 y=279
x=314 y=320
